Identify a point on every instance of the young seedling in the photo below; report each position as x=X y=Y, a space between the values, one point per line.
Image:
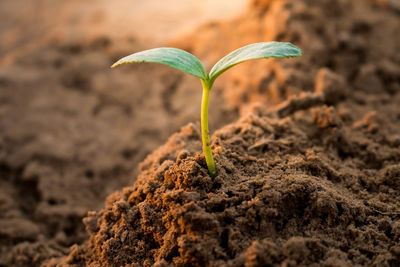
x=186 y=62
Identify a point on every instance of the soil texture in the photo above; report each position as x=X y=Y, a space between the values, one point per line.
x=309 y=175
x=312 y=182
x=72 y=131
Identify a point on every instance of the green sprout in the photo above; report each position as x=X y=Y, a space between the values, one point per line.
x=186 y=62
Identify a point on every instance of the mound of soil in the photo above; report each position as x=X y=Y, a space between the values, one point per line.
x=71 y=135
x=313 y=181
x=288 y=192
x=73 y=132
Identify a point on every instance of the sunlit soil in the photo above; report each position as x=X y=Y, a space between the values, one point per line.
x=26 y=24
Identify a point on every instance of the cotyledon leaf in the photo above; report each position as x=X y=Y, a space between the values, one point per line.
x=174 y=57
x=253 y=51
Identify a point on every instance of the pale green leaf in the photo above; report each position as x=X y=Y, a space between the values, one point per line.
x=253 y=51
x=176 y=58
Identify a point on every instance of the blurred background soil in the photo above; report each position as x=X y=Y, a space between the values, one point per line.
x=73 y=131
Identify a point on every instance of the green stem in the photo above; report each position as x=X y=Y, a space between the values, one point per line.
x=204 y=129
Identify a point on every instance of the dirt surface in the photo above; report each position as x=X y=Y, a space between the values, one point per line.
x=313 y=181
x=288 y=192
x=312 y=187
x=72 y=131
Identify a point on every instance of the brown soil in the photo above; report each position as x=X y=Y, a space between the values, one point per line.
x=313 y=181
x=72 y=132
x=288 y=192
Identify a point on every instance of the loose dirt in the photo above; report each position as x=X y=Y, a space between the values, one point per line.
x=309 y=176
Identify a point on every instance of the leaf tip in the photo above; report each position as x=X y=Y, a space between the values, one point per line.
x=300 y=52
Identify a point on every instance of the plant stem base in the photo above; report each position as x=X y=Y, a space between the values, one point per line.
x=204 y=129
